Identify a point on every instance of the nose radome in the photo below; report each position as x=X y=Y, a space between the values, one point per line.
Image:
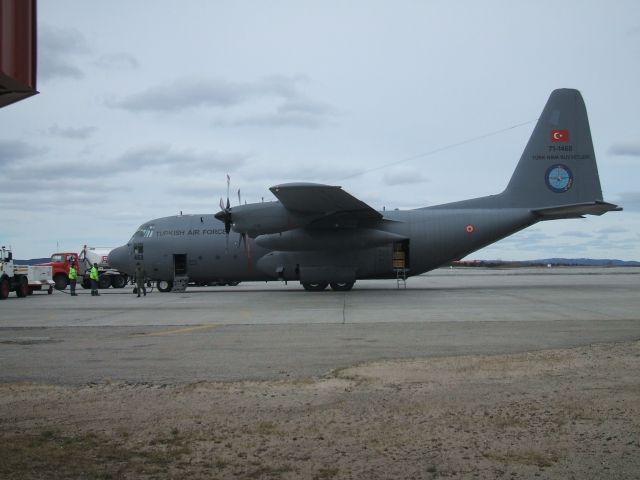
x=119 y=259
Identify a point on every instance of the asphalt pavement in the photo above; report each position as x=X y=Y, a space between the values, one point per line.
x=273 y=330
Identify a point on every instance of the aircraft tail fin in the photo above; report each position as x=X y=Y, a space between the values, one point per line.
x=557 y=176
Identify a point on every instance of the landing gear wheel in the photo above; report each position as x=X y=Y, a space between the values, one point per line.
x=164 y=285
x=314 y=287
x=4 y=288
x=342 y=286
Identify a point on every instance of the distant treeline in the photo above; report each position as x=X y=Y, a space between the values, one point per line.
x=556 y=262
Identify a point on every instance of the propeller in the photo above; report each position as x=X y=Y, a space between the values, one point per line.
x=224 y=215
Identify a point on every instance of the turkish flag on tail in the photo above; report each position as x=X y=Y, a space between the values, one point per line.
x=559 y=135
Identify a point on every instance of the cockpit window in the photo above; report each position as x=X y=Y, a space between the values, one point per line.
x=145 y=231
x=57 y=257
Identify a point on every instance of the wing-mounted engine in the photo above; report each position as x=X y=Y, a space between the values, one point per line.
x=264 y=218
x=300 y=205
x=313 y=239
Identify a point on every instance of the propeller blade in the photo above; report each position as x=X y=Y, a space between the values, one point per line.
x=228 y=182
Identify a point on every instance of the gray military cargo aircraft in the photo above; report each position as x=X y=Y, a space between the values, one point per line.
x=320 y=235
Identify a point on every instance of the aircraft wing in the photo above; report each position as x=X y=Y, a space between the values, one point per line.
x=324 y=200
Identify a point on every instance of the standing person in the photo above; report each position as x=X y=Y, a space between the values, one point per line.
x=93 y=275
x=140 y=279
x=73 y=278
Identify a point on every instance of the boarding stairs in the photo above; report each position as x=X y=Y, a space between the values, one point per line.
x=180 y=283
x=401 y=276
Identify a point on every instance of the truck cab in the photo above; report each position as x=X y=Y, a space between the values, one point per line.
x=60 y=263
x=10 y=279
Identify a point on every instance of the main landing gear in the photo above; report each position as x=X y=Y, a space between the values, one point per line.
x=335 y=286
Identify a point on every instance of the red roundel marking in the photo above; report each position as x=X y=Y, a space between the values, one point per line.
x=470 y=228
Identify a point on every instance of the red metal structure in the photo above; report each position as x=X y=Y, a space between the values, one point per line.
x=18 y=47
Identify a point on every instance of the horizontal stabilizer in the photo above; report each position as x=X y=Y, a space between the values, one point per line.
x=576 y=210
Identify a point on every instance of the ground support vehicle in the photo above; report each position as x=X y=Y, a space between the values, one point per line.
x=38 y=278
x=22 y=279
x=108 y=277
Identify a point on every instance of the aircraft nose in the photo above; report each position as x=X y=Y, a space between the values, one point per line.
x=119 y=259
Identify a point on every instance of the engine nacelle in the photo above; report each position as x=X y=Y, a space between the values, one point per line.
x=306 y=239
x=263 y=218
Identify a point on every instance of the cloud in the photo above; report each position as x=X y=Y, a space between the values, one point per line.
x=626 y=148
x=58 y=48
x=81 y=133
x=217 y=93
x=300 y=113
x=201 y=188
x=404 y=176
x=117 y=61
x=527 y=239
x=186 y=160
x=57 y=190
x=576 y=234
x=292 y=108
x=610 y=230
x=629 y=201
x=633 y=31
x=47 y=169
x=11 y=151
x=303 y=172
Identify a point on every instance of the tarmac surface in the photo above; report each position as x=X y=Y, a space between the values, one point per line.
x=273 y=330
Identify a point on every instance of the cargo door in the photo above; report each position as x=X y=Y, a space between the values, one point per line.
x=401 y=257
x=400 y=262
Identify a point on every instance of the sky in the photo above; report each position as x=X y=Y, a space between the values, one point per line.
x=146 y=106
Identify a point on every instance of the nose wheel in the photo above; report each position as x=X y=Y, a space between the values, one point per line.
x=164 y=285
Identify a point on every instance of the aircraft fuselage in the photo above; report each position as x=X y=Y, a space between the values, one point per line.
x=198 y=246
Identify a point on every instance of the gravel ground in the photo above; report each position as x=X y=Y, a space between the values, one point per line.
x=571 y=413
